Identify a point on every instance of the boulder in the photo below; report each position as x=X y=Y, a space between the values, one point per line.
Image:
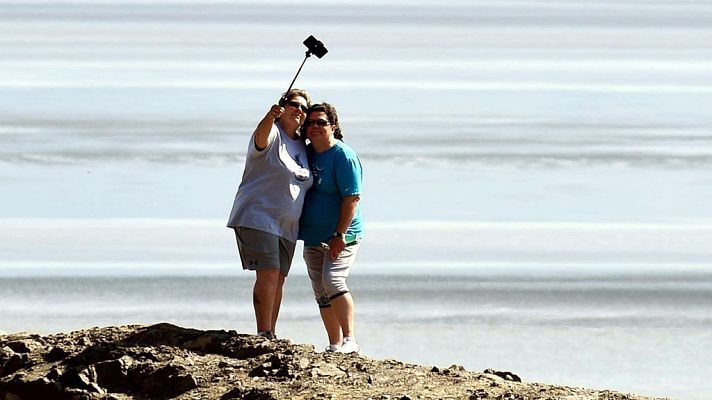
x=248 y=394
x=22 y=387
x=56 y=353
x=277 y=366
x=506 y=375
x=114 y=374
x=178 y=384
x=23 y=346
x=11 y=362
x=163 y=382
x=79 y=378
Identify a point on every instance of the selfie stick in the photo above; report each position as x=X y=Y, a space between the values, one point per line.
x=298 y=71
x=315 y=47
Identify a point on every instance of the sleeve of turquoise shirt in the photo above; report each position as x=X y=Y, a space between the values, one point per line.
x=348 y=175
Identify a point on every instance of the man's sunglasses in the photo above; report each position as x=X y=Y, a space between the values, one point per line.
x=298 y=105
x=318 y=122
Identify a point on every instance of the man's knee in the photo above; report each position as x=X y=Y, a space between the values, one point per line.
x=268 y=278
x=270 y=274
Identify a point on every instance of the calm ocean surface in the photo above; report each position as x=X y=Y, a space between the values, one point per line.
x=629 y=330
x=538 y=174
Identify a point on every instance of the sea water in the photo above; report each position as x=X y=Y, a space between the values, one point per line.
x=628 y=330
x=537 y=175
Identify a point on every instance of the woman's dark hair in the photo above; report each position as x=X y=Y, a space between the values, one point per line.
x=292 y=93
x=331 y=115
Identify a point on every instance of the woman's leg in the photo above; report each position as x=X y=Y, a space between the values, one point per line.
x=277 y=301
x=336 y=272
x=315 y=259
x=331 y=323
x=343 y=310
x=263 y=249
x=263 y=298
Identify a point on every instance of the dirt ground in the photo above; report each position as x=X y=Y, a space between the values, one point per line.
x=165 y=361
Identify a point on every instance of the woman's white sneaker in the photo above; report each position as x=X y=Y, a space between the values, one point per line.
x=349 y=346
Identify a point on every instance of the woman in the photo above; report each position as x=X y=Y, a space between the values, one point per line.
x=331 y=225
x=265 y=213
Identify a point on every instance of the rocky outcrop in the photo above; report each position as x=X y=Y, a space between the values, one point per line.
x=169 y=362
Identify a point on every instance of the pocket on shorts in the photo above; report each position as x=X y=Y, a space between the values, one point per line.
x=256 y=245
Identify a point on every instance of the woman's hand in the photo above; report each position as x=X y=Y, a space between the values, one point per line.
x=276 y=111
x=336 y=246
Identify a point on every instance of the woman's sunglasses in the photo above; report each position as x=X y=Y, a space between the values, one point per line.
x=298 y=105
x=318 y=122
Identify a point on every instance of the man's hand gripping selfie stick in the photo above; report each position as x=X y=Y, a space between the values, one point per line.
x=315 y=47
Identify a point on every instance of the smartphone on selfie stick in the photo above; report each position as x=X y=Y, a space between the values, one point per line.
x=315 y=47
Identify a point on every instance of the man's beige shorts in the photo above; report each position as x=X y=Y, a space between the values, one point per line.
x=328 y=276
